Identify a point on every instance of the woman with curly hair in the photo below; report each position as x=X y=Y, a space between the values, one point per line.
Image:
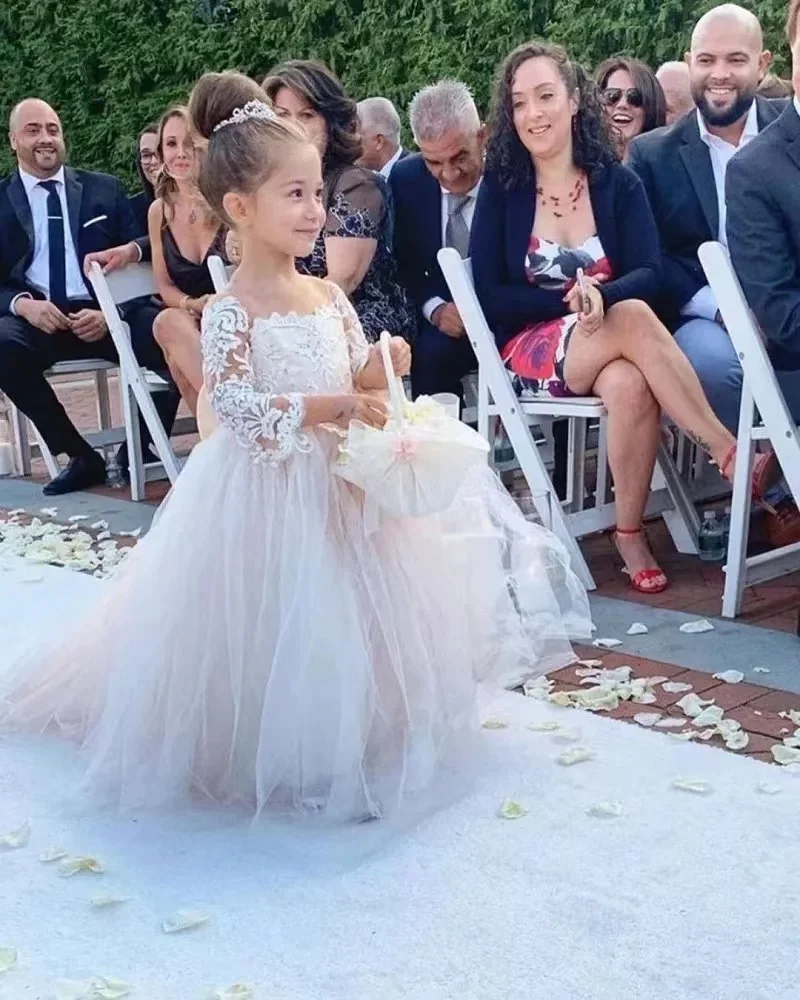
x=355 y=248
x=633 y=97
x=555 y=199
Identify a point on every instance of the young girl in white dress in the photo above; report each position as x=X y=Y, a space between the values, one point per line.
x=266 y=643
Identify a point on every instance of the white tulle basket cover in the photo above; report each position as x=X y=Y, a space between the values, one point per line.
x=415 y=465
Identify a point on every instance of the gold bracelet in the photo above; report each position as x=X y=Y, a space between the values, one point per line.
x=183 y=305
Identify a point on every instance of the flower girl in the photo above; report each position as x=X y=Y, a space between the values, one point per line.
x=267 y=643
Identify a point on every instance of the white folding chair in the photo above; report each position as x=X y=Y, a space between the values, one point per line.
x=220 y=272
x=761 y=396
x=133 y=282
x=496 y=397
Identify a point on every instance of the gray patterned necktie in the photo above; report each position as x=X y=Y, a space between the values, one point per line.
x=457 y=231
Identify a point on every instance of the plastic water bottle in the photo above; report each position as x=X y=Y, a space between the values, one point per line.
x=711 y=541
x=726 y=525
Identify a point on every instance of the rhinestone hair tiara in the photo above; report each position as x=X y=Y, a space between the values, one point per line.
x=253 y=109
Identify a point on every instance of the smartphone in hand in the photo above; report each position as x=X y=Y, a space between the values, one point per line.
x=583 y=289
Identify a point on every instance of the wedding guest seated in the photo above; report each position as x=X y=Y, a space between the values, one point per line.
x=763 y=194
x=355 y=248
x=554 y=199
x=634 y=98
x=184 y=233
x=379 y=129
x=51 y=217
x=434 y=196
x=683 y=169
x=773 y=87
x=674 y=80
x=148 y=164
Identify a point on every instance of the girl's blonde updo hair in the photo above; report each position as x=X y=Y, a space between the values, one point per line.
x=240 y=155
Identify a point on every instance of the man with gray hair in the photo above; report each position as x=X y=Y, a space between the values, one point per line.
x=675 y=82
x=379 y=126
x=434 y=195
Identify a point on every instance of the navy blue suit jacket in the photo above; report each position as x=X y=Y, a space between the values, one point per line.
x=100 y=217
x=417 y=201
x=675 y=167
x=501 y=232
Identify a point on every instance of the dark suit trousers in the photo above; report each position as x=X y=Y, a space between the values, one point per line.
x=26 y=353
x=439 y=362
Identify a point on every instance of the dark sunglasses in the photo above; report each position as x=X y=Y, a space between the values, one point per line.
x=613 y=95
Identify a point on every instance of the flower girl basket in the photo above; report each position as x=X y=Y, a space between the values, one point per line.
x=415 y=465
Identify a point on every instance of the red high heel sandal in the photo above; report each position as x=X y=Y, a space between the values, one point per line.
x=766 y=472
x=644 y=575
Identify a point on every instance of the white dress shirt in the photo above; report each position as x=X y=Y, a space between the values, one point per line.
x=467 y=212
x=704 y=304
x=38 y=274
x=386 y=169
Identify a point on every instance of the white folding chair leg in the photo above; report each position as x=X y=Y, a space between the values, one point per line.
x=21 y=444
x=483 y=403
x=681 y=519
x=103 y=406
x=602 y=490
x=736 y=568
x=130 y=416
x=50 y=461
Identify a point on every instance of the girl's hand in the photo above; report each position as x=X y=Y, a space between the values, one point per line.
x=573 y=296
x=400 y=352
x=366 y=407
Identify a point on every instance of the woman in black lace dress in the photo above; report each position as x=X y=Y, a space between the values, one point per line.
x=355 y=248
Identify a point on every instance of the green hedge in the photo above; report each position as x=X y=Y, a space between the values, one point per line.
x=109 y=66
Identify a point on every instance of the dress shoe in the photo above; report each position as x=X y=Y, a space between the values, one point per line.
x=123 y=462
x=783 y=527
x=80 y=473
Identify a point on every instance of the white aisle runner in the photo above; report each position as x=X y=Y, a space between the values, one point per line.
x=683 y=897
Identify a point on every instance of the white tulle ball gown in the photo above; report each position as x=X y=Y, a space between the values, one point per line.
x=264 y=643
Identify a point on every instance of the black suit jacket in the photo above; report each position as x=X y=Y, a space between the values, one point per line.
x=762 y=189
x=417 y=200
x=675 y=167
x=100 y=217
x=501 y=232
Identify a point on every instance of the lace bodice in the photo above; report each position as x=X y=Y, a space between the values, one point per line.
x=257 y=372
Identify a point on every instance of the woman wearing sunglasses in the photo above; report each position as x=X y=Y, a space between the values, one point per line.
x=633 y=97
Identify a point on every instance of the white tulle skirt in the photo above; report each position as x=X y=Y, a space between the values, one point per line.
x=265 y=644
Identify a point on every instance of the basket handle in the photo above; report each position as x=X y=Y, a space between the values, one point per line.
x=397 y=394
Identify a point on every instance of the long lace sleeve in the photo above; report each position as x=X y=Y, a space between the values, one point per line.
x=357 y=345
x=267 y=425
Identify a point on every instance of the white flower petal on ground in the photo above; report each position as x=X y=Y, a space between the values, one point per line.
x=646 y=698
x=8 y=959
x=72 y=989
x=494 y=724
x=737 y=741
x=130 y=534
x=75 y=518
x=102 y=901
x=785 y=755
x=105 y=988
x=605 y=810
x=671 y=723
x=676 y=687
x=49 y=511
x=794 y=717
x=707 y=734
x=710 y=716
x=562 y=699
x=184 y=920
x=539 y=688
x=50 y=854
x=17 y=838
x=607 y=643
x=239 y=991
x=576 y=756
x=543 y=727
x=761 y=670
x=730 y=676
x=791 y=741
x=692 y=705
x=693 y=785
x=594 y=700
x=16 y=512
x=509 y=809
x=100 y=526
x=103 y=536
x=638 y=628
x=647 y=718
x=767 y=788
x=688 y=734
x=81 y=864
x=695 y=628
x=725 y=727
